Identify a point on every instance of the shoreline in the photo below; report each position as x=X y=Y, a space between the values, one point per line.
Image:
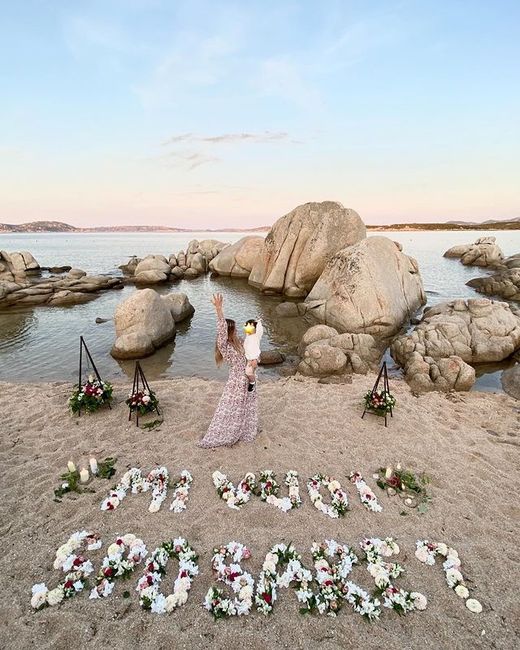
x=462 y=441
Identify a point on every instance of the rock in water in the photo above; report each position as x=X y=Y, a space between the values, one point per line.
x=152 y=270
x=143 y=323
x=437 y=353
x=179 y=306
x=238 y=259
x=484 y=252
x=301 y=243
x=271 y=357
x=511 y=381
x=505 y=284
x=371 y=287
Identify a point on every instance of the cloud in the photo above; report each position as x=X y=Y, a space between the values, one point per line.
x=229 y=138
x=188 y=159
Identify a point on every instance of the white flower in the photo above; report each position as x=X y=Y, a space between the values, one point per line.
x=473 y=605
x=39 y=597
x=442 y=549
x=78 y=585
x=462 y=591
x=113 y=550
x=422 y=554
x=55 y=596
x=419 y=600
x=334 y=485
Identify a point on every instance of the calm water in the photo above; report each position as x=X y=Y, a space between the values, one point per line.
x=41 y=343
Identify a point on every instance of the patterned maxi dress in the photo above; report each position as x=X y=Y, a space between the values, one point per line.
x=236 y=417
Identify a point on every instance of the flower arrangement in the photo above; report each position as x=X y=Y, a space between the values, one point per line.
x=383 y=572
x=116 y=565
x=157 y=481
x=91 y=395
x=149 y=585
x=232 y=575
x=426 y=552
x=367 y=497
x=143 y=401
x=295 y=573
x=409 y=486
x=331 y=577
x=74 y=565
x=339 y=499
x=379 y=402
x=181 y=491
x=234 y=497
x=268 y=489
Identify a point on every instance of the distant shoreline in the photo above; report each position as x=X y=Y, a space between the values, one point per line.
x=58 y=227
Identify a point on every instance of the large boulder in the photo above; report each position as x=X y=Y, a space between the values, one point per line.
x=300 y=244
x=505 y=284
x=238 y=259
x=130 y=266
x=484 y=252
x=371 y=287
x=511 y=381
x=150 y=277
x=143 y=323
x=325 y=352
x=453 y=335
x=17 y=265
x=152 y=269
x=179 y=305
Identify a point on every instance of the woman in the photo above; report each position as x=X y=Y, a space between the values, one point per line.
x=236 y=417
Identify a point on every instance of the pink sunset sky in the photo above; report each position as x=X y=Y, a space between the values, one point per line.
x=199 y=114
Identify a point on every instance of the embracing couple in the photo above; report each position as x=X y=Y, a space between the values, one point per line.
x=236 y=417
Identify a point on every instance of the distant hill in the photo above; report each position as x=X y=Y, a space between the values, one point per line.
x=58 y=226
x=513 y=224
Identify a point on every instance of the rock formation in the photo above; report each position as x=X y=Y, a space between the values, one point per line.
x=371 y=287
x=437 y=353
x=145 y=321
x=19 y=287
x=325 y=352
x=301 y=243
x=154 y=269
x=505 y=284
x=238 y=259
x=484 y=252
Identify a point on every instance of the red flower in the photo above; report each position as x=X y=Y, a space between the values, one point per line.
x=184 y=574
x=108 y=571
x=149 y=580
x=267 y=598
x=78 y=561
x=68 y=584
x=150 y=567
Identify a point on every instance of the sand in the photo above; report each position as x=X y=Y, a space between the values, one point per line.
x=468 y=444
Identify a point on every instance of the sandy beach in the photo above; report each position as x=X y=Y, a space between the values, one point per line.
x=468 y=444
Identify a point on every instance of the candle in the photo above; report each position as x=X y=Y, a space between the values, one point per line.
x=83 y=475
x=93 y=466
x=71 y=467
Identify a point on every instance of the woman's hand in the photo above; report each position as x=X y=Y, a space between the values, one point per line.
x=217 y=300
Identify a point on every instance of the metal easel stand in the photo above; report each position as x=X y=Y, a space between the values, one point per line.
x=140 y=384
x=382 y=376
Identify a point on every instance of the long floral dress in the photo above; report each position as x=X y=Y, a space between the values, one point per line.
x=236 y=417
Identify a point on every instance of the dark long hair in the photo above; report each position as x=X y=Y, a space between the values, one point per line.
x=232 y=338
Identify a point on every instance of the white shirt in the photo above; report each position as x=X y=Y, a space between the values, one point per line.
x=252 y=342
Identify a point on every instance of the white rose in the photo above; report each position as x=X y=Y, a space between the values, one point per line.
x=442 y=548
x=113 y=549
x=38 y=600
x=334 y=485
x=154 y=506
x=422 y=554
x=128 y=539
x=462 y=591
x=269 y=567
x=419 y=600
x=473 y=605
x=55 y=596
x=321 y=564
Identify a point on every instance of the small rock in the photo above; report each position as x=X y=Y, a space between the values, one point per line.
x=271 y=357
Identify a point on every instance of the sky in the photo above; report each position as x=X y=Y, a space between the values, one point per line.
x=230 y=114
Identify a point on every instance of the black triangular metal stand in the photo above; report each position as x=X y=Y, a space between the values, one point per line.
x=140 y=383
x=83 y=346
x=382 y=376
